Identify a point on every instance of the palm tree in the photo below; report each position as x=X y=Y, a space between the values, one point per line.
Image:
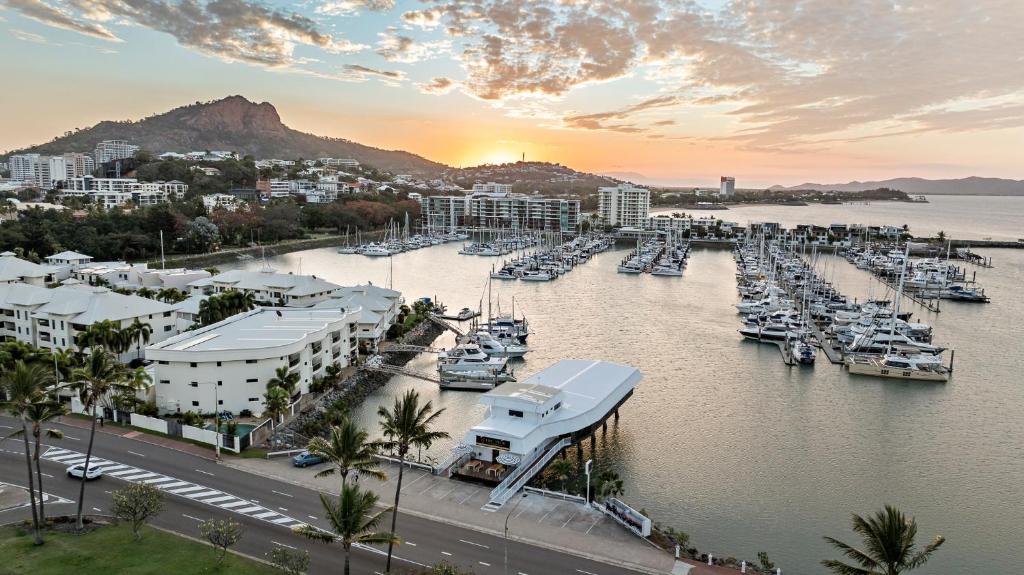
x=275 y=402
x=99 y=380
x=146 y=293
x=888 y=539
x=406 y=425
x=284 y=379
x=38 y=413
x=352 y=520
x=562 y=469
x=22 y=386
x=348 y=450
x=140 y=333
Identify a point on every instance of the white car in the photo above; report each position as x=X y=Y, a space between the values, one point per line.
x=94 y=472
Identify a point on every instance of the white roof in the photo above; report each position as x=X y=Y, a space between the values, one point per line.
x=370 y=289
x=263 y=327
x=293 y=285
x=86 y=304
x=13 y=268
x=69 y=255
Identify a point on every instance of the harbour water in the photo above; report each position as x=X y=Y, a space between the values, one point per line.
x=724 y=441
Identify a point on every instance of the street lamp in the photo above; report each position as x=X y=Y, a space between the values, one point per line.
x=586 y=469
x=514 y=507
x=216 y=419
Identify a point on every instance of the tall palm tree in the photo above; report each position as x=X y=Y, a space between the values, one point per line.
x=22 y=386
x=39 y=412
x=98 y=381
x=284 y=379
x=146 y=293
x=888 y=539
x=140 y=334
x=275 y=402
x=406 y=425
x=347 y=450
x=562 y=469
x=352 y=520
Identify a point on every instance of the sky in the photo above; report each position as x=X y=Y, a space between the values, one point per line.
x=679 y=91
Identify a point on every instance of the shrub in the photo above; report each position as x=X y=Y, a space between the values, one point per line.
x=191 y=418
x=221 y=533
x=290 y=562
x=136 y=504
x=149 y=409
x=245 y=413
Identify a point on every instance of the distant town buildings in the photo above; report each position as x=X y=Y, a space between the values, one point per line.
x=226 y=201
x=492 y=188
x=48 y=172
x=110 y=150
x=500 y=209
x=624 y=205
x=728 y=187
x=115 y=192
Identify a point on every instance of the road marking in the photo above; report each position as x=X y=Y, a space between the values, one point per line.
x=282 y=520
x=72 y=438
x=204 y=472
x=109 y=468
x=468 y=497
x=484 y=564
x=313 y=517
x=233 y=504
x=97 y=509
x=163 y=479
x=63 y=458
x=6 y=426
x=185 y=489
x=283 y=508
x=47 y=475
x=169 y=486
x=596 y=521
x=139 y=454
x=249 y=509
x=219 y=499
x=203 y=494
x=127 y=471
x=143 y=475
x=190 y=517
x=265 y=514
x=446 y=553
x=279 y=493
x=53 y=452
x=585 y=572
x=281 y=544
x=569 y=519
x=471 y=543
x=409 y=543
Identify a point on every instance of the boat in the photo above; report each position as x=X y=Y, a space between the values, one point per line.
x=536 y=277
x=376 y=250
x=961 y=293
x=468 y=360
x=805 y=353
x=664 y=270
x=495 y=347
x=769 y=332
x=896 y=367
x=463 y=315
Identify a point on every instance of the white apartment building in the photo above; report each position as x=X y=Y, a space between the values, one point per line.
x=624 y=205
x=110 y=150
x=53 y=318
x=68 y=258
x=135 y=276
x=339 y=162
x=499 y=209
x=227 y=201
x=226 y=366
x=378 y=310
x=269 y=287
x=23 y=167
x=727 y=188
x=113 y=192
x=16 y=270
x=667 y=223
x=493 y=188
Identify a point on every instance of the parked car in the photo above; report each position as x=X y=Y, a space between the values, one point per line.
x=305 y=459
x=94 y=472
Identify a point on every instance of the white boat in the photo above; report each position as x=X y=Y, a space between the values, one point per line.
x=805 y=353
x=535 y=277
x=896 y=367
x=770 y=332
x=494 y=347
x=463 y=315
x=376 y=250
x=666 y=271
x=468 y=359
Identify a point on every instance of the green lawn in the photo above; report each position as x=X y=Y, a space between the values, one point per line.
x=112 y=551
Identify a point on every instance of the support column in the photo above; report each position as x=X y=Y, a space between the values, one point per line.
x=616 y=414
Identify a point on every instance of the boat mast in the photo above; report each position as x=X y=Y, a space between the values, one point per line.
x=899 y=296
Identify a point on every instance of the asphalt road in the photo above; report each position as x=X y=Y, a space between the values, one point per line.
x=425 y=542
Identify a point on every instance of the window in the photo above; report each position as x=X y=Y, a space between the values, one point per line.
x=166 y=314
x=44 y=322
x=218 y=364
x=162 y=362
x=251 y=361
x=195 y=404
x=220 y=402
x=515 y=413
x=193 y=364
x=253 y=380
x=44 y=336
x=165 y=381
x=557 y=405
x=219 y=383
x=194 y=384
x=167 y=328
x=256 y=399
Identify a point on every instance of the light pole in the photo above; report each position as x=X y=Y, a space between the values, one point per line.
x=514 y=507
x=216 y=419
x=586 y=469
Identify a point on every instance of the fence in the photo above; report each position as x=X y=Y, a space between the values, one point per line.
x=207 y=436
x=150 y=423
x=555 y=494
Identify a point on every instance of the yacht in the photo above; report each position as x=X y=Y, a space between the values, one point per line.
x=536 y=276
x=666 y=270
x=896 y=367
x=495 y=347
x=769 y=332
x=468 y=360
x=805 y=353
x=376 y=250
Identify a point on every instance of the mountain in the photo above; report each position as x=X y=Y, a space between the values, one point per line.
x=527 y=177
x=635 y=177
x=972 y=186
x=236 y=124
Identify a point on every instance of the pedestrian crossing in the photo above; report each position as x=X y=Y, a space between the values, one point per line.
x=174 y=486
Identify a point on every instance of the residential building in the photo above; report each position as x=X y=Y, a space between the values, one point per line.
x=231 y=361
x=269 y=287
x=112 y=192
x=135 y=276
x=23 y=167
x=624 y=205
x=494 y=209
x=16 y=270
x=110 y=150
x=493 y=188
x=378 y=310
x=53 y=318
x=78 y=165
x=226 y=201
x=339 y=162
x=727 y=188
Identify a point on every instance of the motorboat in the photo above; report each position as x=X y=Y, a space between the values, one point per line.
x=468 y=359
x=494 y=347
x=666 y=270
x=804 y=352
x=463 y=315
x=376 y=250
x=770 y=332
x=896 y=367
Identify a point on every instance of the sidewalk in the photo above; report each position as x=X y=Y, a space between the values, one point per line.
x=545 y=522
x=129 y=433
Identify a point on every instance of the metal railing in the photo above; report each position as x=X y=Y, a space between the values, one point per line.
x=525 y=471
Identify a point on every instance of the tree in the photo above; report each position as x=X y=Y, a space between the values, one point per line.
x=766 y=563
x=275 y=402
x=353 y=520
x=941 y=236
x=562 y=469
x=40 y=411
x=201 y=235
x=139 y=333
x=607 y=484
x=171 y=295
x=222 y=534
x=290 y=562
x=347 y=450
x=889 y=549
x=22 y=387
x=284 y=379
x=136 y=504
x=98 y=381
x=405 y=426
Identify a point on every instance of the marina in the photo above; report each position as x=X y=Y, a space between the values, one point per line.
x=736 y=406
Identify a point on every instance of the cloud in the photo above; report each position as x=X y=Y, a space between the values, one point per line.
x=59 y=18
x=438 y=85
x=360 y=73
x=27 y=36
x=396 y=47
x=426 y=19
x=235 y=30
x=352 y=7
x=599 y=121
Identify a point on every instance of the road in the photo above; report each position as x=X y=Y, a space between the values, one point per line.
x=265 y=507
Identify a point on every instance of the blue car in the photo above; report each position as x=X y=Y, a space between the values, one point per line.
x=305 y=459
